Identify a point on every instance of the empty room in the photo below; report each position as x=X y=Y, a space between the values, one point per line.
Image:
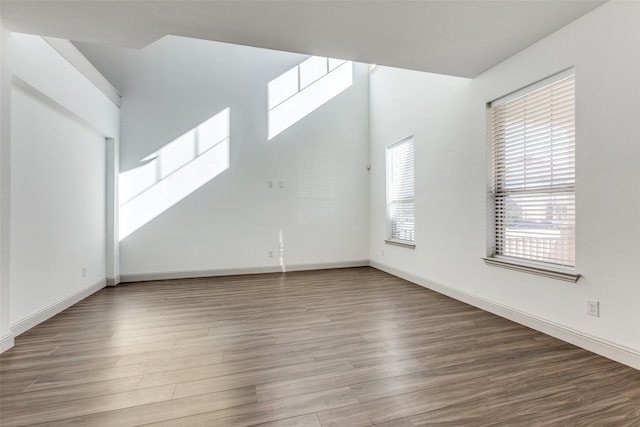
x=320 y=213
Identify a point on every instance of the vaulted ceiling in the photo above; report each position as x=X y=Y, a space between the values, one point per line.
x=459 y=37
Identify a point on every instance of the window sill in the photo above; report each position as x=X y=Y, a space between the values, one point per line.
x=402 y=243
x=560 y=274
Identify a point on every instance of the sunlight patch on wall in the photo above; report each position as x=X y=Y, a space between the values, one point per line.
x=299 y=91
x=173 y=172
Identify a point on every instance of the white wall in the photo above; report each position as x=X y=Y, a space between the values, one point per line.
x=447 y=117
x=433 y=109
x=6 y=338
x=233 y=221
x=58 y=205
x=58 y=122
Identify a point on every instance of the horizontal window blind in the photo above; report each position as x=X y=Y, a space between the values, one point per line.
x=533 y=172
x=400 y=190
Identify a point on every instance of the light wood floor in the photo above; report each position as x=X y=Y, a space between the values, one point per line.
x=350 y=347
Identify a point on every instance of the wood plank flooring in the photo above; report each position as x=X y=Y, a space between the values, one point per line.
x=347 y=347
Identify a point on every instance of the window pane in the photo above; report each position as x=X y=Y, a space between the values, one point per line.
x=533 y=182
x=400 y=190
x=402 y=220
x=539 y=227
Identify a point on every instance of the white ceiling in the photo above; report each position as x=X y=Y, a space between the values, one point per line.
x=456 y=37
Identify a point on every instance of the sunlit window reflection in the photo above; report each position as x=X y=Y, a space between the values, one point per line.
x=173 y=172
x=307 y=86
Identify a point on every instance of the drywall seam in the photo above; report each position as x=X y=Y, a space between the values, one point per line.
x=619 y=353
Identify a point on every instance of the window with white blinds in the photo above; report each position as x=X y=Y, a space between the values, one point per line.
x=400 y=191
x=532 y=184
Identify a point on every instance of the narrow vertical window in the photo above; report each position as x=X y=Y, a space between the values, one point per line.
x=400 y=192
x=532 y=178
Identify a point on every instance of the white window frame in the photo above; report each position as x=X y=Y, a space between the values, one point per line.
x=528 y=178
x=406 y=240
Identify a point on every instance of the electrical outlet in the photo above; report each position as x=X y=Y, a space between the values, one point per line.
x=84 y=271
x=281 y=184
x=593 y=308
x=270 y=184
x=270 y=253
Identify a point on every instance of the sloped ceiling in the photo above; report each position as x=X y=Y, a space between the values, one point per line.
x=459 y=37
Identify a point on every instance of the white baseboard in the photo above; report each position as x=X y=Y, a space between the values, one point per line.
x=621 y=354
x=6 y=342
x=113 y=281
x=143 y=277
x=48 y=312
